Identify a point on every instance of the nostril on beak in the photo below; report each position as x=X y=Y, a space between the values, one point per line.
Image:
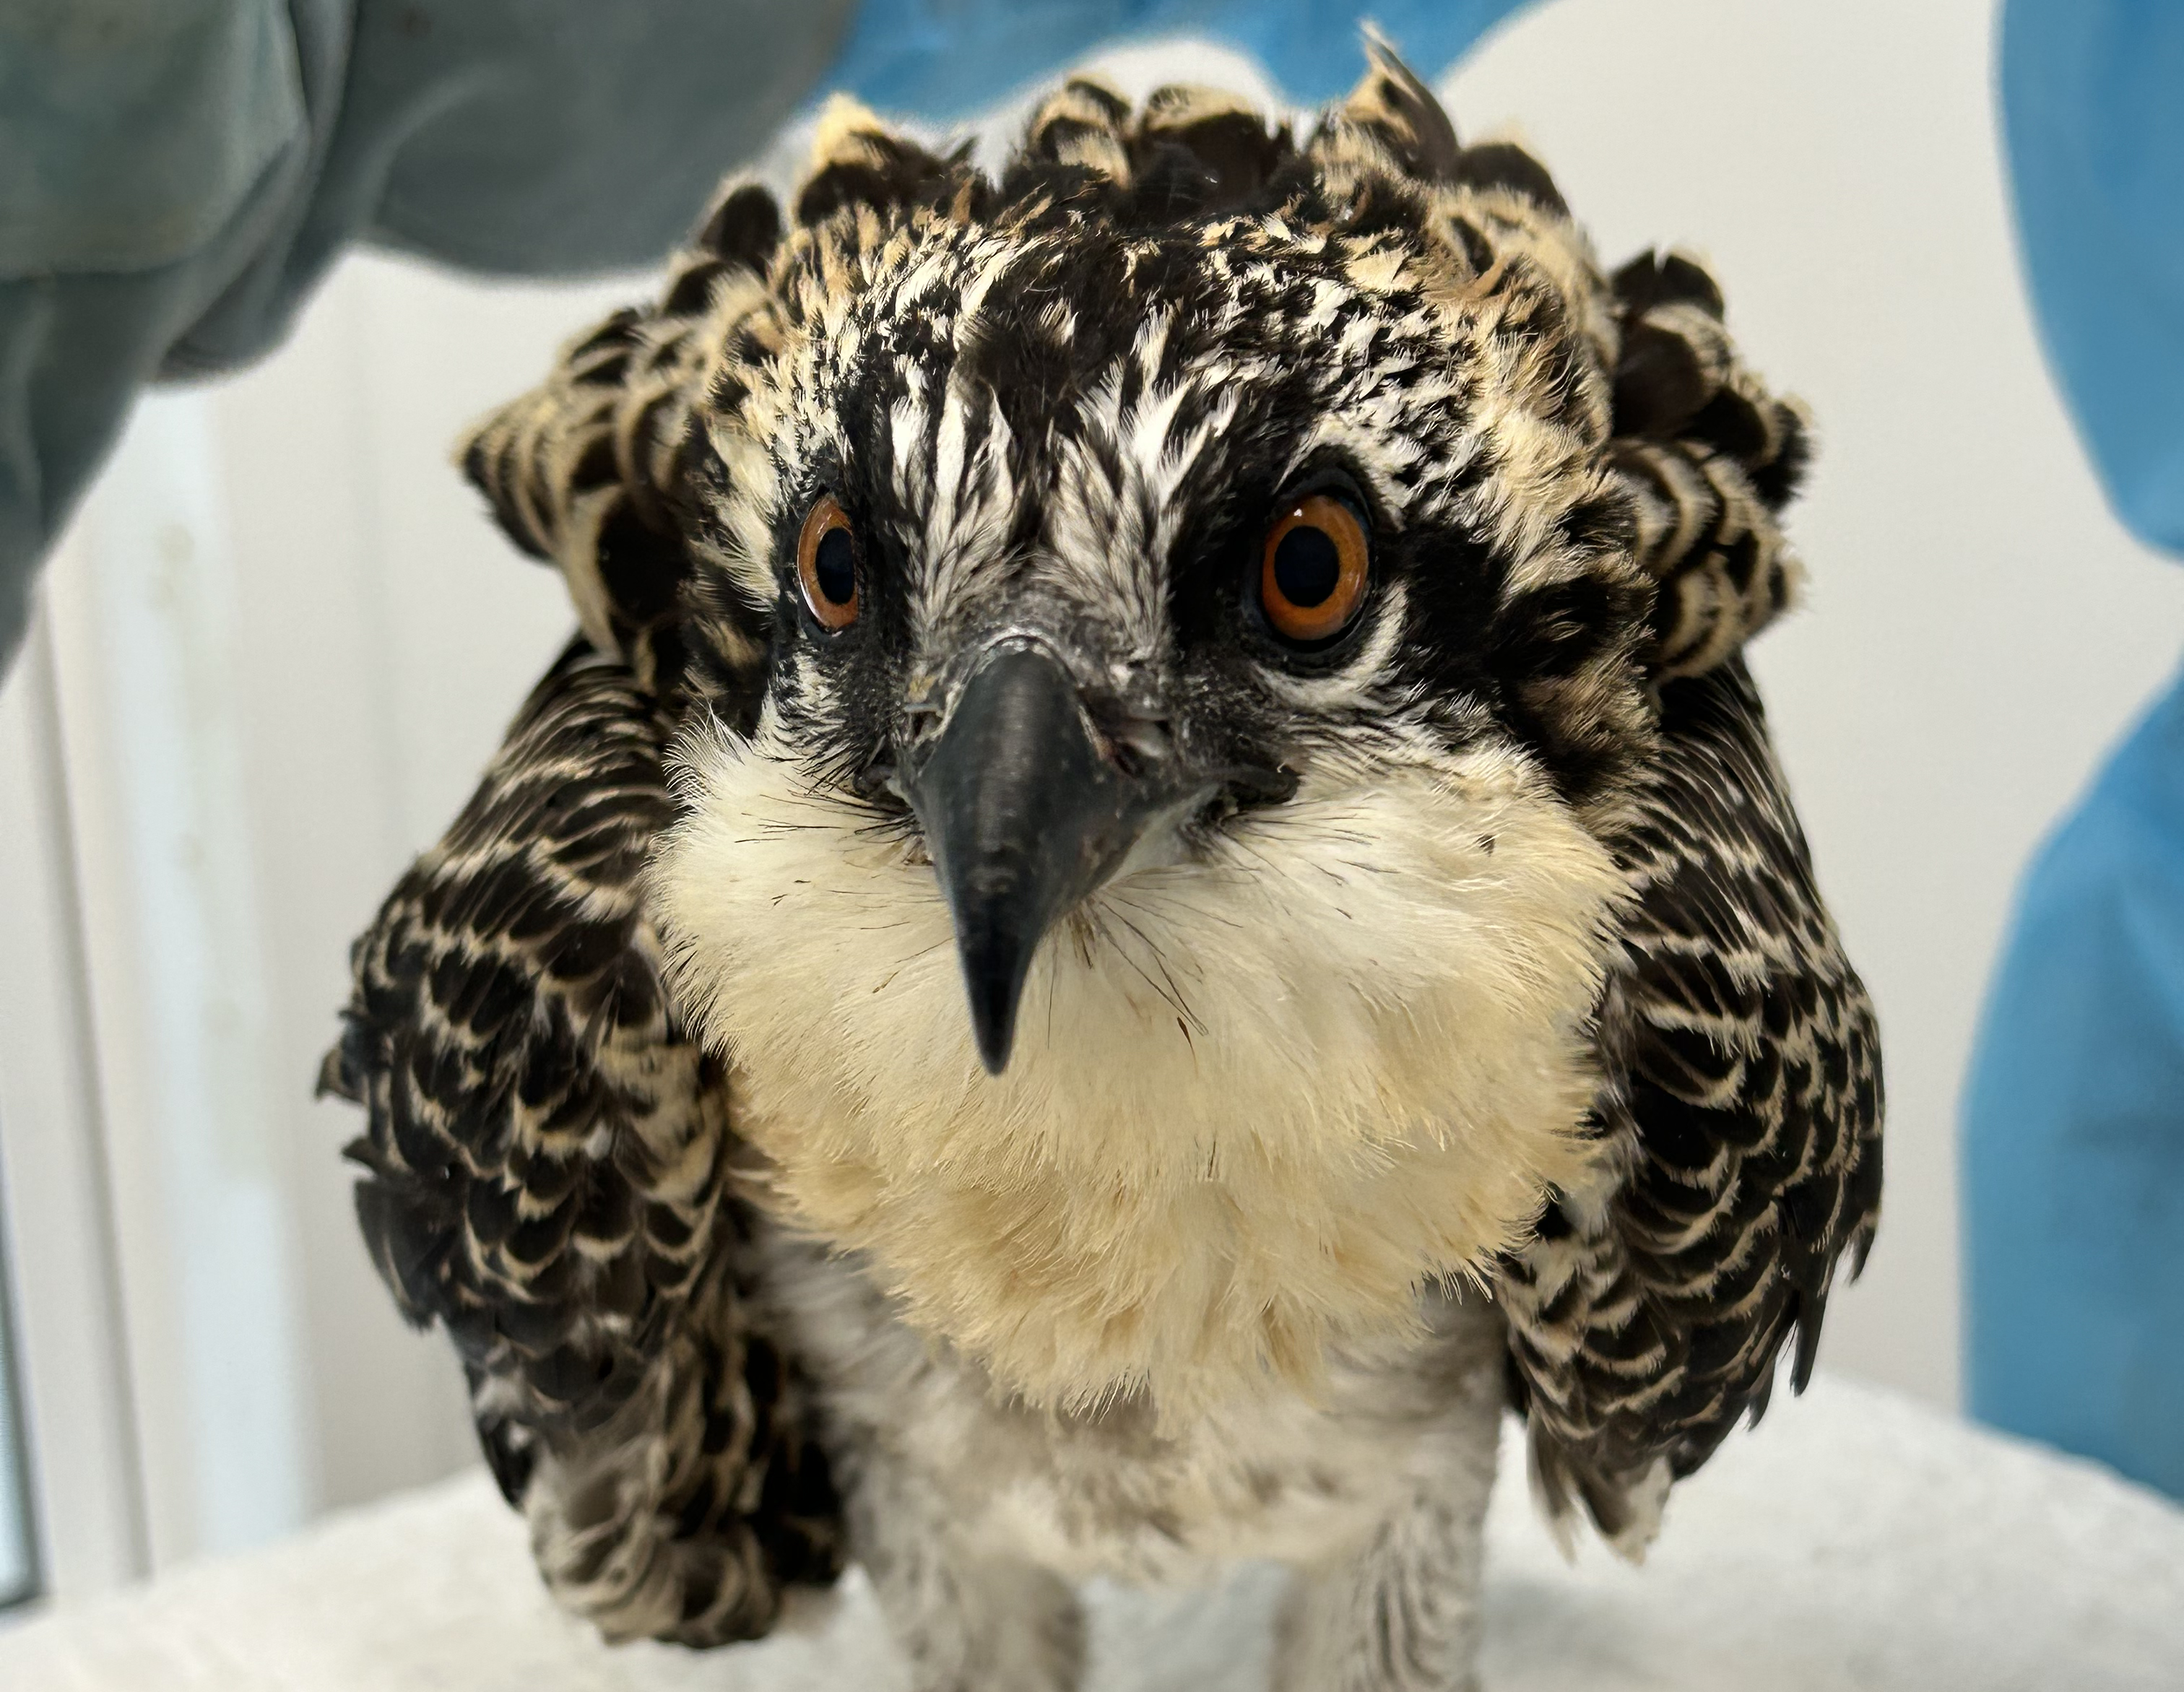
x=1137 y=744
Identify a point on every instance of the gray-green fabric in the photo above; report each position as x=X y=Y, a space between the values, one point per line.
x=175 y=176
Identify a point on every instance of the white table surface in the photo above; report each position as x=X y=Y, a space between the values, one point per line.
x=1855 y=1540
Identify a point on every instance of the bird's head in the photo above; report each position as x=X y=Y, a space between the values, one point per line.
x=1166 y=646
x=1100 y=515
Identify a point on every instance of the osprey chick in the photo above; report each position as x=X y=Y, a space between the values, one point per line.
x=1155 y=886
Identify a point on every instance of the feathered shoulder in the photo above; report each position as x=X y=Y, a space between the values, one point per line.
x=550 y=1177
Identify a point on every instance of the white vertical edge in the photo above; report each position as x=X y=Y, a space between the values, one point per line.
x=147 y=675
x=86 y=1482
x=320 y=618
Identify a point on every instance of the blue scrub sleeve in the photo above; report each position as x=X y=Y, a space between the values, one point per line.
x=2092 y=114
x=942 y=58
x=2073 y=1172
x=2073 y=1130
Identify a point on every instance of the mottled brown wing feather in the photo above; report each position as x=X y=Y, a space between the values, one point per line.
x=550 y=1180
x=1709 y=457
x=592 y=469
x=1745 y=1109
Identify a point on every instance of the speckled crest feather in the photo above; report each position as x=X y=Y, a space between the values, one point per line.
x=1059 y=391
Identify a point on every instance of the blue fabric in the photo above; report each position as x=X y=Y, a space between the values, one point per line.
x=2074 y=1170
x=2092 y=106
x=944 y=58
x=2073 y=1142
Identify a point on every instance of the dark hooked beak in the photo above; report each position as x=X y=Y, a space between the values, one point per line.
x=1025 y=812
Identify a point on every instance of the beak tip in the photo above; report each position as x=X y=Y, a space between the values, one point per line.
x=993 y=996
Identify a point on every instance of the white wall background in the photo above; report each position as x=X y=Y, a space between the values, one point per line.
x=282 y=641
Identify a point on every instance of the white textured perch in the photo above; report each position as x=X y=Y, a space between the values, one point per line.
x=1855 y=1541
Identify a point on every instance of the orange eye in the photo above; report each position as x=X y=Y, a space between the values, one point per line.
x=1314 y=575
x=826 y=563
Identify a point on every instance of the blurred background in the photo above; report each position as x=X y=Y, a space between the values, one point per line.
x=281 y=639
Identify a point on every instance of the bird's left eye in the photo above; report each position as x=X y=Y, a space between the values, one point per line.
x=826 y=563
x=1314 y=570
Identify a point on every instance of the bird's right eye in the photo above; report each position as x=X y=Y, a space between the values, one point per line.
x=826 y=563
